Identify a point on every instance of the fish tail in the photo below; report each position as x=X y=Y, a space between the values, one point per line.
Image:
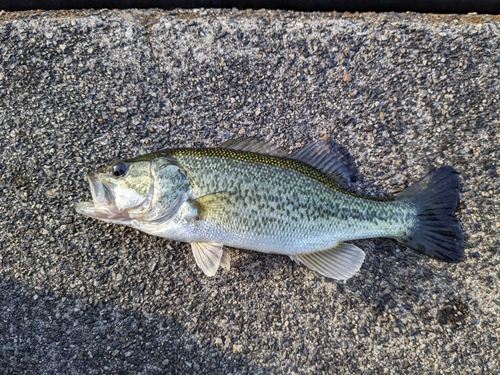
x=435 y=231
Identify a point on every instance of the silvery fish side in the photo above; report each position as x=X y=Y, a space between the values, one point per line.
x=250 y=195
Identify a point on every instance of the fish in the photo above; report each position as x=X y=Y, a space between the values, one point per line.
x=249 y=194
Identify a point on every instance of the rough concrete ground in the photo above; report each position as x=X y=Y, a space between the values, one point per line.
x=403 y=92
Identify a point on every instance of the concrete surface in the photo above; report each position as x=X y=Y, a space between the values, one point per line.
x=403 y=92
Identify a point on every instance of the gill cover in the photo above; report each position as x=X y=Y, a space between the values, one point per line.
x=144 y=190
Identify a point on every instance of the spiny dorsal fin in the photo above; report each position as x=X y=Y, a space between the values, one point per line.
x=208 y=256
x=330 y=158
x=339 y=263
x=253 y=145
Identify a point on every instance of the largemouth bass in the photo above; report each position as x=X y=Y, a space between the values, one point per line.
x=250 y=195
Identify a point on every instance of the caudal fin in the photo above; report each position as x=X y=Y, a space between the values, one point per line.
x=436 y=231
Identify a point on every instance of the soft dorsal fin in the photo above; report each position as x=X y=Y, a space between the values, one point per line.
x=330 y=158
x=253 y=145
x=208 y=256
x=339 y=263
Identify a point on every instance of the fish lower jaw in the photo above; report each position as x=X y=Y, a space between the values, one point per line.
x=83 y=207
x=100 y=212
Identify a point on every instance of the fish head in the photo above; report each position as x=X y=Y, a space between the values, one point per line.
x=136 y=189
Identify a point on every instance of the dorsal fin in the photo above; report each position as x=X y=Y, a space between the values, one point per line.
x=330 y=158
x=253 y=145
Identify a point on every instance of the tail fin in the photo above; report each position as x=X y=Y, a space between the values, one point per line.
x=436 y=231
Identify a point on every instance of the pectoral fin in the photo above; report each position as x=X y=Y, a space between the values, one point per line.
x=215 y=204
x=340 y=262
x=208 y=256
x=225 y=261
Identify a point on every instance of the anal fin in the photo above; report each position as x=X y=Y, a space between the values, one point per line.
x=340 y=262
x=208 y=256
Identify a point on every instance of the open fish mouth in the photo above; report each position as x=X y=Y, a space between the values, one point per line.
x=100 y=194
x=102 y=205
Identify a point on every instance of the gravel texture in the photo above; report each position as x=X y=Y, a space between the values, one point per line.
x=403 y=92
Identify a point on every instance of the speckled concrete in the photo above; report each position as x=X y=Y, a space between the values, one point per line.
x=403 y=92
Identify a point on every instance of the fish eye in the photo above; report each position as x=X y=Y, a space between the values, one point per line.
x=119 y=170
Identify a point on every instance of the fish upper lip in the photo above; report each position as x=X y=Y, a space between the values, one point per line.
x=100 y=193
x=100 y=196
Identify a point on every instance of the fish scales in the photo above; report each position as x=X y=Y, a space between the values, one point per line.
x=283 y=206
x=250 y=195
